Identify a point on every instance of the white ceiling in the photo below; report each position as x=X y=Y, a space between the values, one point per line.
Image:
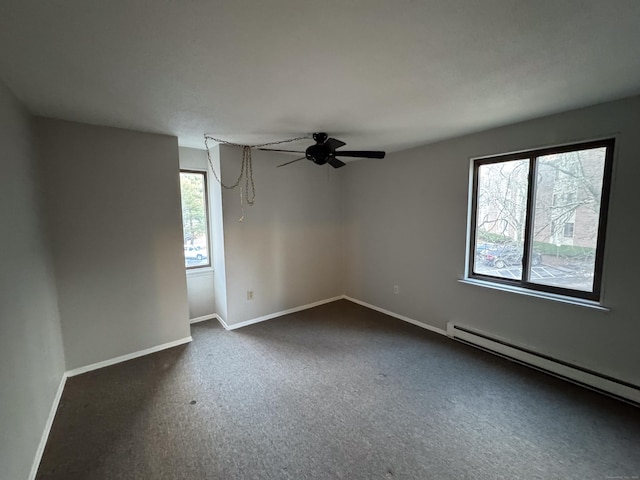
x=377 y=74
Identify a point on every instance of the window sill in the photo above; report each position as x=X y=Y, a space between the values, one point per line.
x=534 y=293
x=197 y=272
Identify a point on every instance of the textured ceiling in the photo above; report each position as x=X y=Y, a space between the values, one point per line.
x=374 y=73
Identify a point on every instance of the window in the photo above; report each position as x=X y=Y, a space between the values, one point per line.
x=195 y=225
x=568 y=230
x=539 y=217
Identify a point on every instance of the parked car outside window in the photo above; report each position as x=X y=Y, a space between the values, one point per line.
x=194 y=252
x=504 y=255
x=483 y=248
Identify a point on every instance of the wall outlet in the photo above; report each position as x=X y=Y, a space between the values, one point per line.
x=249 y=294
x=396 y=289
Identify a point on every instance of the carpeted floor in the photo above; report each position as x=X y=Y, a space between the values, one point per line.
x=335 y=392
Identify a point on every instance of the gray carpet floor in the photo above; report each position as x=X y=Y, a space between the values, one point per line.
x=334 y=392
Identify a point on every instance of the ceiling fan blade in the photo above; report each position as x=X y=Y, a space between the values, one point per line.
x=284 y=151
x=360 y=153
x=296 y=160
x=334 y=143
x=335 y=163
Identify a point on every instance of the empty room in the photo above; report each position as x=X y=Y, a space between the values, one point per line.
x=355 y=239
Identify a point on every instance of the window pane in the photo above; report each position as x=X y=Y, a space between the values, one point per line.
x=566 y=218
x=500 y=218
x=194 y=219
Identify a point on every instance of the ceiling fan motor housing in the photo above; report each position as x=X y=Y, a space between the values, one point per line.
x=324 y=151
x=318 y=154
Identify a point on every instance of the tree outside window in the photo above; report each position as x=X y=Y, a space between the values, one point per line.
x=195 y=225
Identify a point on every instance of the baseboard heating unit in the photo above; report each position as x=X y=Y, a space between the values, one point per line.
x=587 y=378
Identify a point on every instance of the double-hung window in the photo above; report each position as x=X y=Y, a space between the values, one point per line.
x=538 y=218
x=195 y=215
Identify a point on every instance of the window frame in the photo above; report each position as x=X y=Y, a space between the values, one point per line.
x=209 y=264
x=532 y=156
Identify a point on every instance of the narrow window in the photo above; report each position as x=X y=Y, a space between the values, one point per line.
x=539 y=218
x=195 y=225
x=568 y=230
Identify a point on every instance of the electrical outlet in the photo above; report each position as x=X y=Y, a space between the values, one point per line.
x=249 y=294
x=396 y=289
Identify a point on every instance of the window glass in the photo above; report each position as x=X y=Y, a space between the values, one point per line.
x=539 y=218
x=568 y=190
x=500 y=218
x=193 y=188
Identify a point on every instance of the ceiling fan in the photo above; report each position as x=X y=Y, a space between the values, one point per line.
x=324 y=151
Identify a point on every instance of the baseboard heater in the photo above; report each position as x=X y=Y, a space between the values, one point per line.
x=587 y=378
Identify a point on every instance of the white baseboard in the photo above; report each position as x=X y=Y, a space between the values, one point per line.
x=398 y=316
x=235 y=326
x=77 y=371
x=47 y=428
x=129 y=356
x=223 y=323
x=203 y=318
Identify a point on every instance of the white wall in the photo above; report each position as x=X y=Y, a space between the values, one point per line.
x=289 y=248
x=31 y=349
x=200 y=281
x=217 y=239
x=113 y=209
x=406 y=224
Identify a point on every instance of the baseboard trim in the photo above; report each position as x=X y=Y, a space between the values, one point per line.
x=223 y=323
x=129 y=356
x=203 y=318
x=77 y=371
x=246 y=323
x=220 y=320
x=398 y=316
x=47 y=428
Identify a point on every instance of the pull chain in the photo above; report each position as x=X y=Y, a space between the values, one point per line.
x=246 y=168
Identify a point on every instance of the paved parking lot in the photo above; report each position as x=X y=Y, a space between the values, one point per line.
x=537 y=272
x=546 y=274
